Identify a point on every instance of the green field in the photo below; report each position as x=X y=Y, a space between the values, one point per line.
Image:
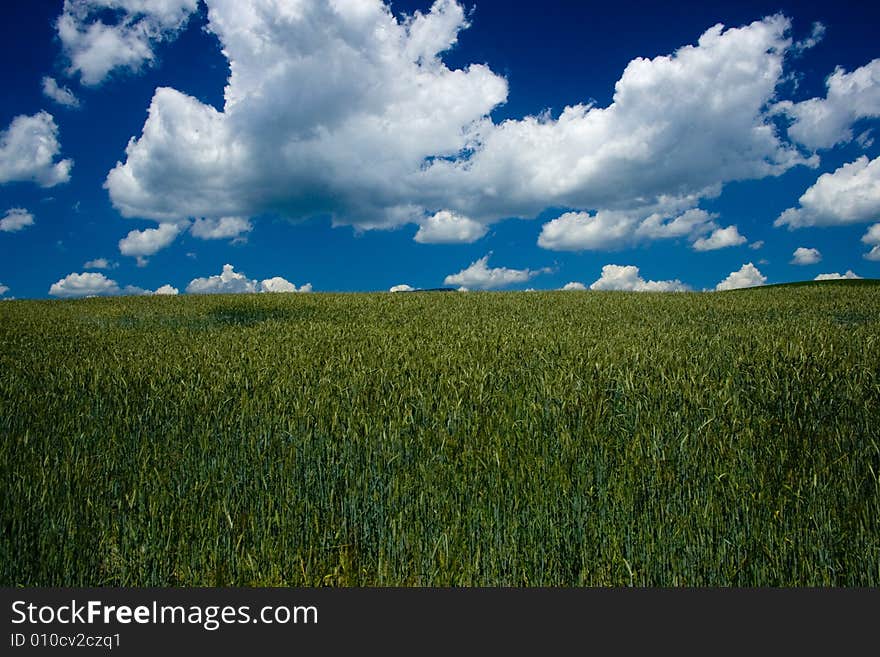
x=541 y=438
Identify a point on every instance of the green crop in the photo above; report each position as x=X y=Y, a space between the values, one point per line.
x=541 y=438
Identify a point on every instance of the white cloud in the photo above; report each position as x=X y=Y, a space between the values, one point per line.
x=849 y=195
x=627 y=278
x=720 y=238
x=805 y=256
x=95 y=48
x=140 y=243
x=222 y=228
x=837 y=277
x=3 y=289
x=574 y=285
x=747 y=276
x=61 y=95
x=84 y=285
x=27 y=151
x=100 y=263
x=826 y=122
x=228 y=282
x=447 y=227
x=872 y=239
x=15 y=220
x=278 y=284
x=402 y=288
x=759 y=244
x=479 y=275
x=166 y=290
x=342 y=109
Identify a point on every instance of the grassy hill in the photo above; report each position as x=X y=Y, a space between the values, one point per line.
x=544 y=438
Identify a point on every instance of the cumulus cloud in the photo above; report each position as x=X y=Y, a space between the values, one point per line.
x=230 y=281
x=478 y=275
x=850 y=274
x=220 y=229
x=720 y=238
x=627 y=278
x=342 y=109
x=15 y=220
x=849 y=195
x=278 y=284
x=100 y=263
x=61 y=95
x=402 y=288
x=746 y=276
x=27 y=151
x=574 y=285
x=95 y=284
x=759 y=244
x=3 y=289
x=447 y=227
x=825 y=122
x=872 y=239
x=166 y=290
x=805 y=256
x=141 y=243
x=95 y=47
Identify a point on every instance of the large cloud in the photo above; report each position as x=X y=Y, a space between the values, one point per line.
x=447 y=227
x=93 y=284
x=746 y=276
x=825 y=122
x=627 y=278
x=140 y=243
x=96 y=46
x=479 y=275
x=230 y=281
x=341 y=109
x=849 y=195
x=27 y=151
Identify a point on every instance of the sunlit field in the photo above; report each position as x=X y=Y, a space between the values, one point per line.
x=521 y=438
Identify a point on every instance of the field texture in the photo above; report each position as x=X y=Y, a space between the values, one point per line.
x=561 y=438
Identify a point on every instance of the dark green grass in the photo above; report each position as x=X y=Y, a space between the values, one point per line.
x=559 y=438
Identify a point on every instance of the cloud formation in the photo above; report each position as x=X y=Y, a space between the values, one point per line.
x=721 y=238
x=402 y=288
x=627 y=278
x=28 y=148
x=872 y=239
x=16 y=219
x=837 y=277
x=447 y=227
x=100 y=263
x=478 y=275
x=230 y=281
x=849 y=195
x=95 y=284
x=221 y=229
x=95 y=48
x=746 y=276
x=141 y=243
x=805 y=256
x=61 y=95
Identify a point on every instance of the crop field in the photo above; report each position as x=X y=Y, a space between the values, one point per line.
x=540 y=438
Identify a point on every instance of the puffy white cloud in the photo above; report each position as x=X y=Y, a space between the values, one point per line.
x=228 y=282
x=402 y=288
x=609 y=229
x=805 y=256
x=100 y=263
x=447 y=227
x=627 y=278
x=849 y=195
x=825 y=122
x=166 y=290
x=3 y=289
x=574 y=285
x=27 y=151
x=140 y=243
x=837 y=277
x=61 y=95
x=15 y=220
x=220 y=229
x=479 y=275
x=342 y=109
x=720 y=238
x=95 y=284
x=95 y=48
x=746 y=276
x=278 y=284
x=872 y=239
x=84 y=285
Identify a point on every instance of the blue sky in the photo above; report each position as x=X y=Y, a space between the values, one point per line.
x=354 y=145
